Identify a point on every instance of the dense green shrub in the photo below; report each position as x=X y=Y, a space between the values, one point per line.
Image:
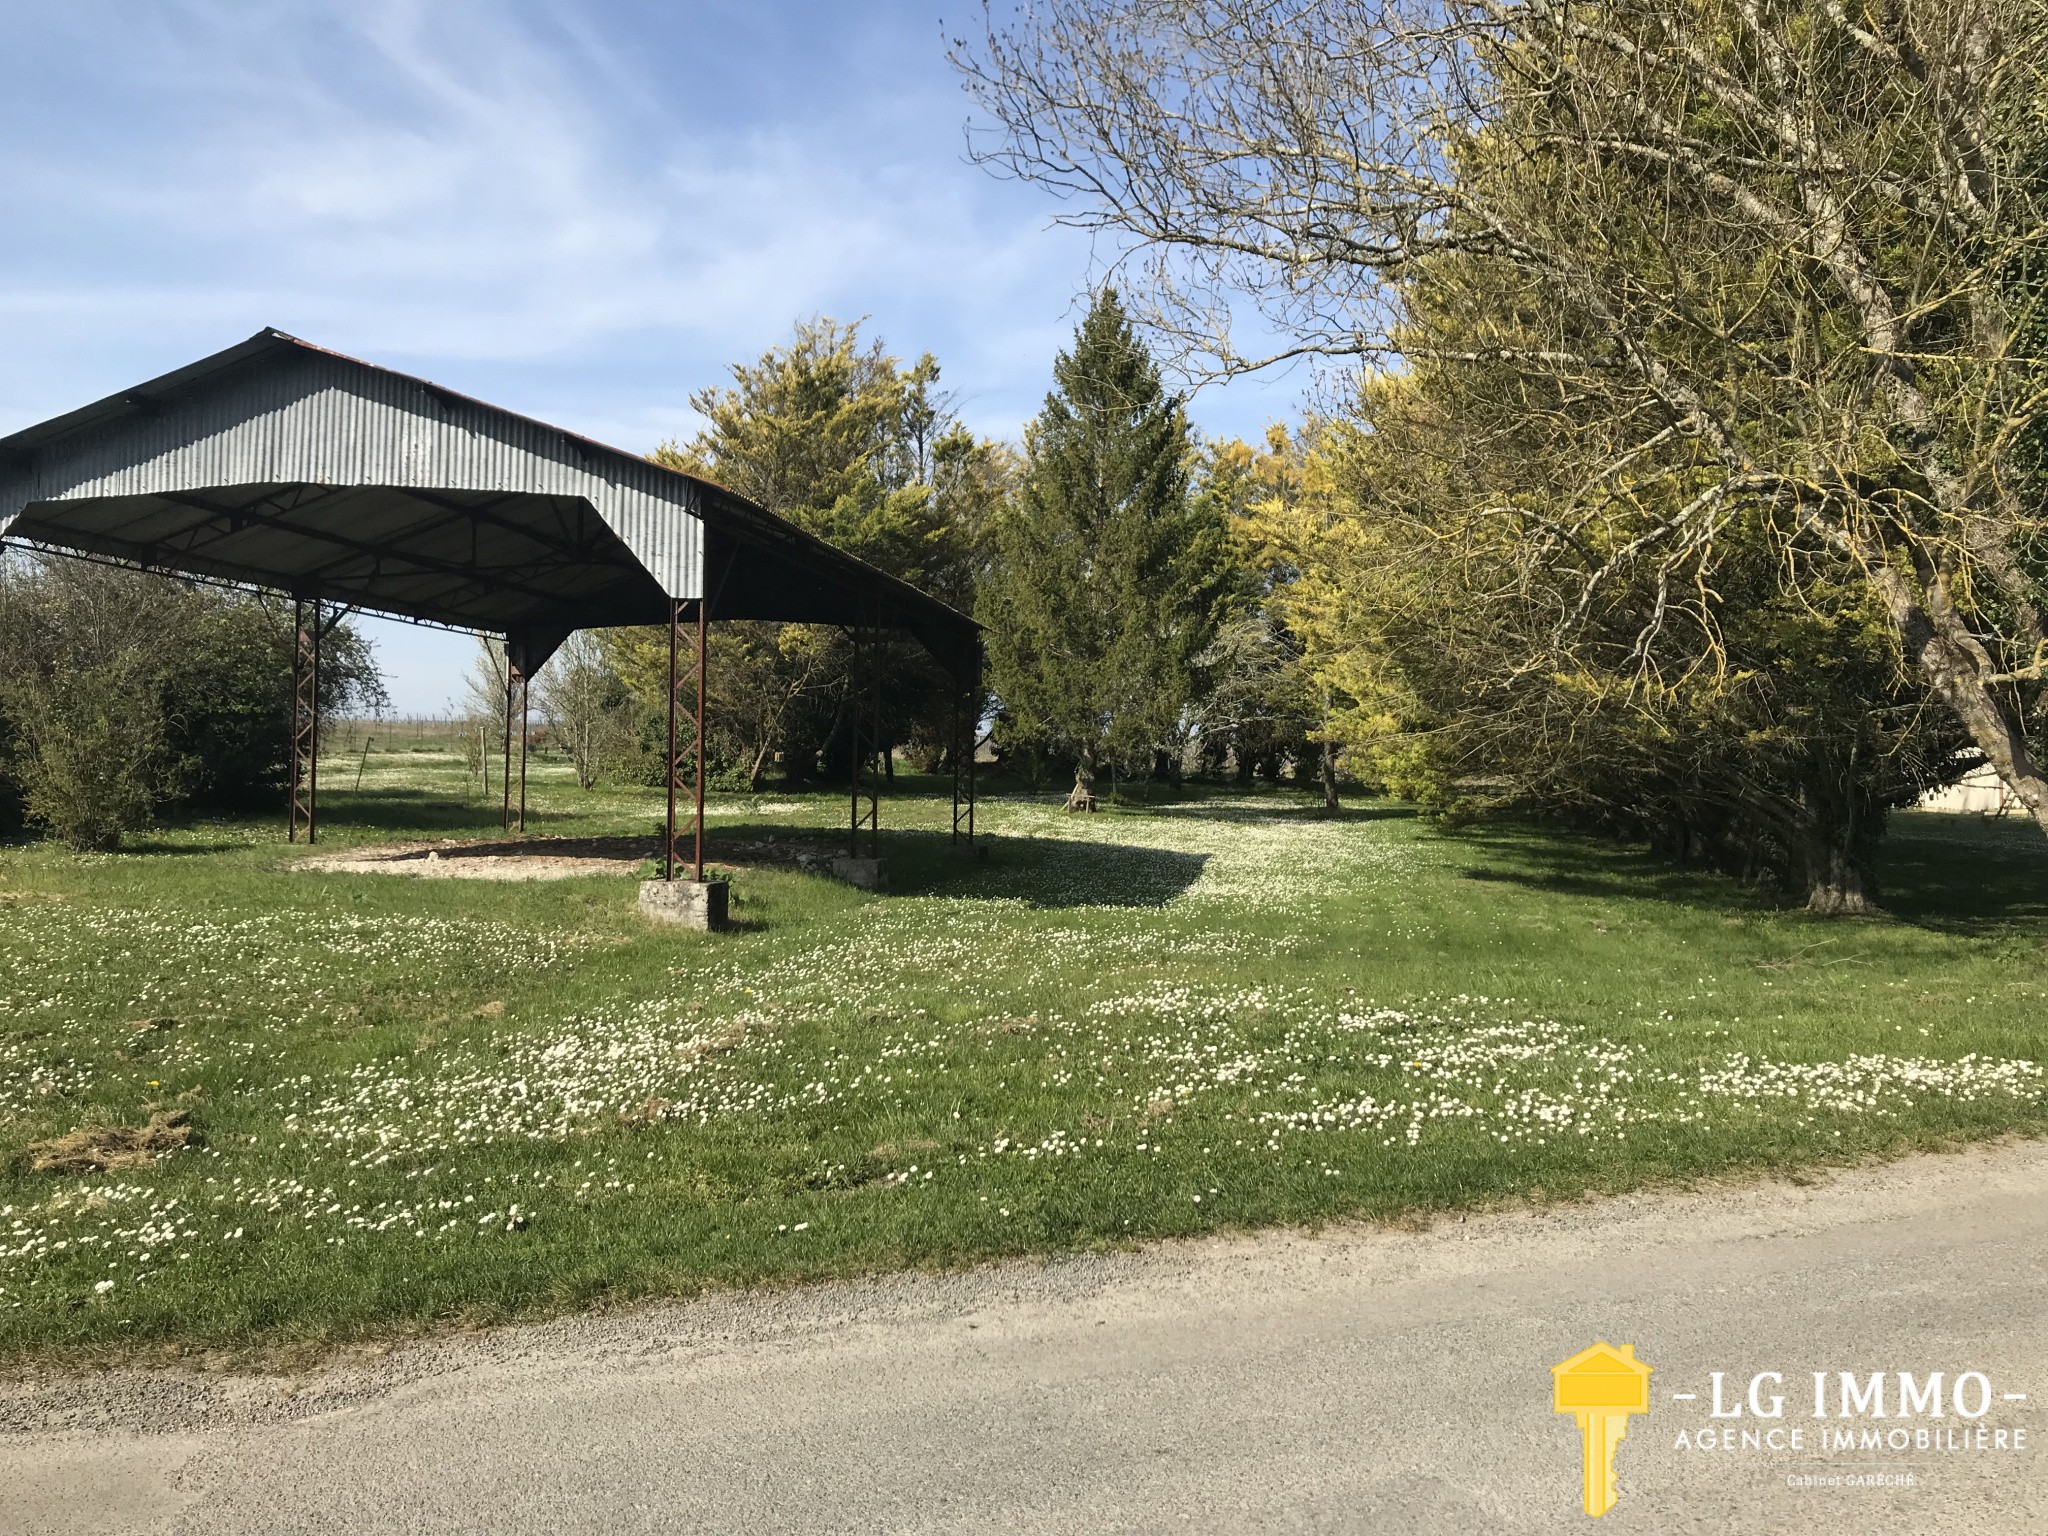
x=90 y=760
x=122 y=693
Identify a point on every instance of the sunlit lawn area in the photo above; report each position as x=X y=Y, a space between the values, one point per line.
x=430 y=1101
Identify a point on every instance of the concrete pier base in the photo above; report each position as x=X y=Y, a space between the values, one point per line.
x=698 y=904
x=868 y=874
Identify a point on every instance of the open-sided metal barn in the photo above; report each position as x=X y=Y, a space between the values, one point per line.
x=281 y=465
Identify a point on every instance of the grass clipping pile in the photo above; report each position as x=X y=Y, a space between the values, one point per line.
x=99 y=1148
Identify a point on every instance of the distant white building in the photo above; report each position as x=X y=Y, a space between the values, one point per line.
x=1980 y=790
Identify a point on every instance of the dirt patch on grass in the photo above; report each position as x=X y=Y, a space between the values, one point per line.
x=526 y=858
x=553 y=858
x=97 y=1148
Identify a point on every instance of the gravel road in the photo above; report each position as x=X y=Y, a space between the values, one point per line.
x=1356 y=1380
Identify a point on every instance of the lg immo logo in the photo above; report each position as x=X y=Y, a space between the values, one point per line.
x=1600 y=1387
x=1808 y=1418
x=1944 y=1411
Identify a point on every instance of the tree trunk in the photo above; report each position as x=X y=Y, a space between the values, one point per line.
x=1083 y=796
x=1956 y=665
x=1839 y=828
x=1834 y=882
x=759 y=770
x=1329 y=775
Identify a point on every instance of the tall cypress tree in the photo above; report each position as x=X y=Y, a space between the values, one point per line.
x=1105 y=568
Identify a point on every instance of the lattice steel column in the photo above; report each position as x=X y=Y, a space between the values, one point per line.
x=304 y=805
x=682 y=709
x=515 y=687
x=703 y=619
x=864 y=712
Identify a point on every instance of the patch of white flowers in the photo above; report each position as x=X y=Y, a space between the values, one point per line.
x=1870 y=1084
x=1395 y=1073
x=1056 y=984
x=649 y=1060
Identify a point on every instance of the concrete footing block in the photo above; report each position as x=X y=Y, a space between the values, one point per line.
x=698 y=904
x=868 y=874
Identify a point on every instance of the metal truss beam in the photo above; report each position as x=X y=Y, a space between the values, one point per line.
x=507 y=578
x=303 y=808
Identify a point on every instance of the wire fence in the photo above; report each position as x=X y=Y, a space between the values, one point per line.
x=396 y=733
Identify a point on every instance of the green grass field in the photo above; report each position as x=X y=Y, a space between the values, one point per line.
x=427 y=1102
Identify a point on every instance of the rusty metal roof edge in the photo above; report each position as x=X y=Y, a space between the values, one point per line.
x=732 y=507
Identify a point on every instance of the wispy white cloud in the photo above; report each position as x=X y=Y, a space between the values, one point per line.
x=429 y=179
x=582 y=208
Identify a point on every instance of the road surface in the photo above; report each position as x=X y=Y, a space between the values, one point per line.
x=1357 y=1380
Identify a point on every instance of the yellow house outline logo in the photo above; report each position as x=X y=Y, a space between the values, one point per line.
x=1600 y=1387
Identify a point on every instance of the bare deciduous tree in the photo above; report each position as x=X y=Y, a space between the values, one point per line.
x=586 y=706
x=485 y=717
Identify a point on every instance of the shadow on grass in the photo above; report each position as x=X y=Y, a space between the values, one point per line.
x=1947 y=873
x=1061 y=872
x=1964 y=874
x=1289 y=812
x=1576 y=865
x=1040 y=872
x=1262 y=804
x=160 y=848
x=391 y=813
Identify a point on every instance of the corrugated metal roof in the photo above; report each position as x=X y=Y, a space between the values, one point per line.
x=285 y=465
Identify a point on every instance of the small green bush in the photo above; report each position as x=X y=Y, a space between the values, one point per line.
x=90 y=756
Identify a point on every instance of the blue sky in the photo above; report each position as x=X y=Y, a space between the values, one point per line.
x=579 y=209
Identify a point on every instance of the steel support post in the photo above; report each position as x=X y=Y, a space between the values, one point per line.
x=675 y=639
x=684 y=712
x=703 y=620
x=853 y=680
x=865 y=712
x=303 y=808
x=515 y=689
x=966 y=744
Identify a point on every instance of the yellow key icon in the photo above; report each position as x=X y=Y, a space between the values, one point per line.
x=1600 y=1387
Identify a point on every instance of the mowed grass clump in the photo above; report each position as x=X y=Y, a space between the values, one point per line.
x=430 y=1101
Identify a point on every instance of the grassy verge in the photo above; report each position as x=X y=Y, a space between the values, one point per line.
x=426 y=1101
